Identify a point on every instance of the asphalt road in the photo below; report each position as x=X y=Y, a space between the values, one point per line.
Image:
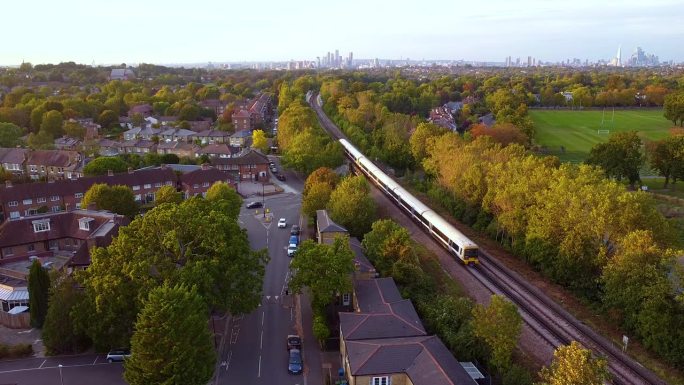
x=76 y=370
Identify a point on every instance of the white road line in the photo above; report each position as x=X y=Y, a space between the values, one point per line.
x=41 y=365
x=230 y=355
x=52 y=367
x=96 y=357
x=259 y=374
x=261 y=341
x=262 y=318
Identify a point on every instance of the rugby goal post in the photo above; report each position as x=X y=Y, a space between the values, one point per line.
x=603 y=132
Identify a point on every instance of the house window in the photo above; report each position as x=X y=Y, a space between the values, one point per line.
x=136 y=187
x=41 y=225
x=14 y=215
x=78 y=195
x=205 y=184
x=27 y=201
x=53 y=245
x=41 y=200
x=55 y=209
x=30 y=212
x=380 y=381
x=137 y=198
x=54 y=198
x=84 y=223
x=7 y=251
x=158 y=184
x=13 y=204
x=195 y=185
x=147 y=185
x=168 y=183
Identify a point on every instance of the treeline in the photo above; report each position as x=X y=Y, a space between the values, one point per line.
x=580 y=229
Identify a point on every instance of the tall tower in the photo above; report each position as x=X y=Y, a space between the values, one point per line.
x=618 y=58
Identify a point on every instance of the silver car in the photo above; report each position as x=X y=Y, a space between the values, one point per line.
x=118 y=355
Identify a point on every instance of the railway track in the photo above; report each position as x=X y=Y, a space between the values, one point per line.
x=549 y=320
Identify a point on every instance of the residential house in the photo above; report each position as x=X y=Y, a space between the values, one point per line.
x=125 y=122
x=151 y=120
x=139 y=147
x=222 y=150
x=363 y=269
x=67 y=143
x=54 y=164
x=453 y=107
x=251 y=166
x=14 y=160
x=241 y=139
x=177 y=134
x=143 y=109
x=180 y=149
x=260 y=109
x=488 y=120
x=216 y=105
x=200 y=125
x=326 y=229
x=147 y=133
x=213 y=136
x=167 y=120
x=442 y=117
x=121 y=74
x=110 y=147
x=197 y=182
x=242 y=120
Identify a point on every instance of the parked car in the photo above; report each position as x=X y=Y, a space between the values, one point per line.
x=280 y=177
x=118 y=355
x=294 y=240
x=295 y=230
x=294 y=342
x=294 y=364
x=291 y=249
x=282 y=223
x=254 y=205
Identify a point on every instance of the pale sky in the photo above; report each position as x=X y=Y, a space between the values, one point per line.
x=171 y=31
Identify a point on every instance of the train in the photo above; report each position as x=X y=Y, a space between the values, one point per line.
x=447 y=235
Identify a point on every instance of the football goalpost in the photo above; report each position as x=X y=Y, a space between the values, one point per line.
x=604 y=122
x=603 y=132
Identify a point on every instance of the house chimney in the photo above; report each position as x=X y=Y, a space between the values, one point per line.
x=8 y=183
x=130 y=170
x=110 y=173
x=205 y=166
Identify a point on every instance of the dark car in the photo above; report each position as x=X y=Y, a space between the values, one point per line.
x=254 y=205
x=280 y=177
x=295 y=230
x=294 y=342
x=294 y=364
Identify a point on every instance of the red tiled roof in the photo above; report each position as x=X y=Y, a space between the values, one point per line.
x=53 y=158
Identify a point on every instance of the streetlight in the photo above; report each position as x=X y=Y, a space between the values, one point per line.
x=263 y=199
x=61 y=379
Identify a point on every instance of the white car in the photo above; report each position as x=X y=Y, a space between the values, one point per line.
x=282 y=223
x=291 y=249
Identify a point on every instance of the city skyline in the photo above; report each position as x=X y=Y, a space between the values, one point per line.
x=211 y=31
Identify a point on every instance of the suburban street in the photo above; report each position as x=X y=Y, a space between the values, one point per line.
x=76 y=370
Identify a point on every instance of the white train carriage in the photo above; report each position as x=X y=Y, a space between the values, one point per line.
x=457 y=243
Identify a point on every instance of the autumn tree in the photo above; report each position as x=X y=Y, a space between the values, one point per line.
x=504 y=133
x=674 y=108
x=421 y=137
x=351 y=205
x=74 y=130
x=172 y=343
x=387 y=243
x=52 y=123
x=259 y=141
x=620 y=157
x=499 y=325
x=167 y=194
x=574 y=365
x=317 y=198
x=118 y=199
x=321 y=175
x=325 y=269
x=38 y=288
x=226 y=197
x=107 y=118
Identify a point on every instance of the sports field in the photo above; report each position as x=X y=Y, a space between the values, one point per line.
x=578 y=131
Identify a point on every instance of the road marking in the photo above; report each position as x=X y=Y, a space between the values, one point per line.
x=275 y=297
x=96 y=357
x=25 y=331
x=41 y=365
x=262 y=318
x=259 y=374
x=230 y=355
x=52 y=367
x=268 y=297
x=261 y=342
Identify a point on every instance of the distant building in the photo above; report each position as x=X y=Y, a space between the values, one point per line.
x=122 y=74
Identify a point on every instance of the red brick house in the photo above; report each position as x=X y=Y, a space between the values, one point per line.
x=53 y=164
x=252 y=166
x=242 y=120
x=198 y=182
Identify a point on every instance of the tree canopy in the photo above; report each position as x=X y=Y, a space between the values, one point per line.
x=351 y=206
x=499 y=325
x=118 y=199
x=104 y=164
x=259 y=141
x=620 y=157
x=38 y=288
x=10 y=134
x=574 y=365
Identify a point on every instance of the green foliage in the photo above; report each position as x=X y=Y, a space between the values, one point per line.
x=667 y=157
x=325 y=269
x=52 y=123
x=74 y=130
x=574 y=365
x=60 y=335
x=224 y=195
x=194 y=243
x=387 y=243
x=38 y=288
x=108 y=118
x=421 y=138
x=321 y=175
x=167 y=194
x=320 y=328
x=620 y=157
x=41 y=141
x=104 y=164
x=317 y=198
x=117 y=199
x=351 y=205
x=16 y=351
x=172 y=343
x=499 y=326
x=10 y=134
x=674 y=108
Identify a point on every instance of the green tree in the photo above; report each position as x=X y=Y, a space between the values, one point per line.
x=321 y=175
x=74 y=130
x=60 y=335
x=137 y=120
x=620 y=157
x=167 y=194
x=52 y=123
x=37 y=117
x=424 y=133
x=117 y=199
x=317 y=198
x=226 y=197
x=38 y=288
x=10 y=134
x=108 y=118
x=574 y=365
x=172 y=344
x=498 y=325
x=667 y=157
x=387 y=243
x=351 y=205
x=325 y=269
x=674 y=108
x=102 y=165
x=41 y=141
x=259 y=141
x=194 y=243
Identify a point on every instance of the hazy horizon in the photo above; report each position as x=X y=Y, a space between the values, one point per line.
x=173 y=32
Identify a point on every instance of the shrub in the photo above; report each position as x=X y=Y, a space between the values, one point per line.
x=15 y=351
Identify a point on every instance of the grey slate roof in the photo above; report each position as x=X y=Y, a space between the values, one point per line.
x=375 y=295
x=326 y=225
x=361 y=263
x=425 y=360
x=399 y=320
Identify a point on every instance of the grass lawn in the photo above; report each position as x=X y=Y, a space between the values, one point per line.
x=577 y=131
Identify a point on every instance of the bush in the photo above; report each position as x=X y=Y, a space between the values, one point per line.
x=320 y=329
x=516 y=375
x=15 y=351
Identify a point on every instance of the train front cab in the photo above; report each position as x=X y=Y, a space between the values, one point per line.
x=471 y=256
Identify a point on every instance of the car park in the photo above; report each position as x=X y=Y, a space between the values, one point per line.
x=294 y=363
x=254 y=205
x=294 y=342
x=295 y=230
x=282 y=223
x=118 y=355
x=291 y=249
